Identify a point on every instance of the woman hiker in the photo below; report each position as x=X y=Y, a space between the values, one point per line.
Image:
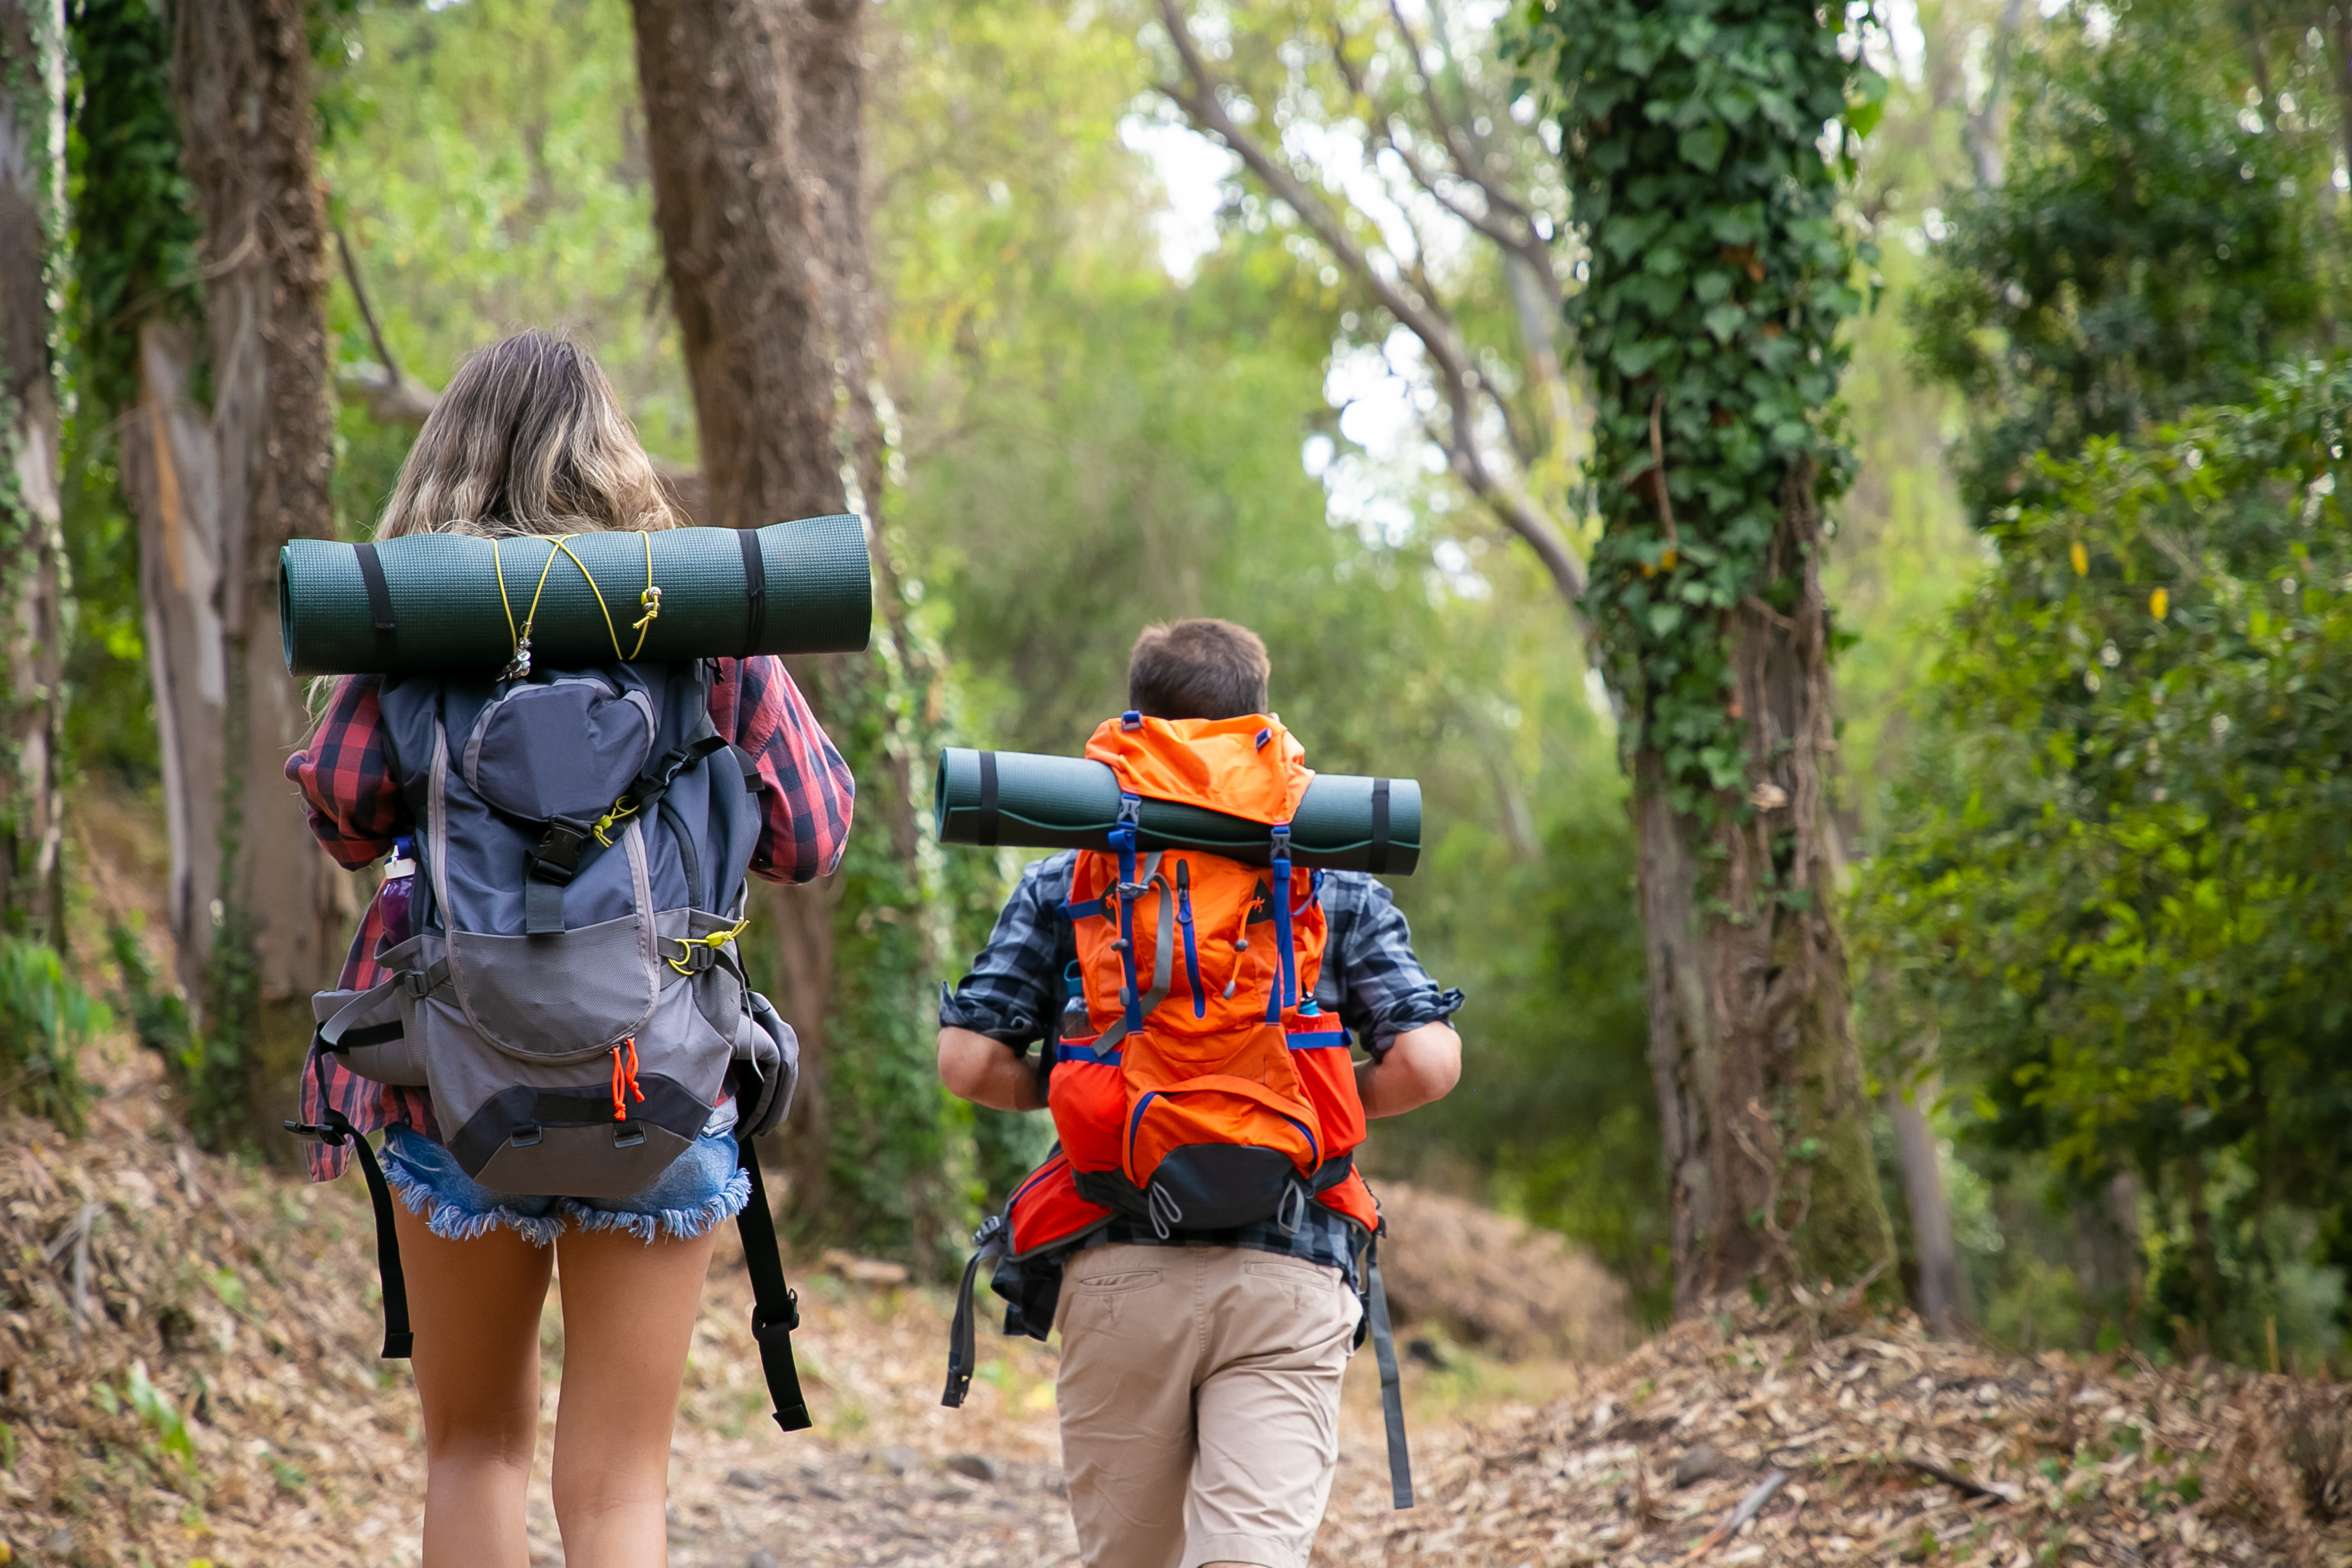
x=528 y=444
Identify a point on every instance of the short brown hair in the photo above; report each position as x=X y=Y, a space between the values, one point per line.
x=1197 y=669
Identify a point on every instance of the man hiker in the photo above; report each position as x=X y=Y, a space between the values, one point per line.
x=1202 y=1208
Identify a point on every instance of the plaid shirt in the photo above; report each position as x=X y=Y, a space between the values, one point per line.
x=1370 y=982
x=357 y=810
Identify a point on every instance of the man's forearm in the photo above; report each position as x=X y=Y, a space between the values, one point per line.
x=987 y=1071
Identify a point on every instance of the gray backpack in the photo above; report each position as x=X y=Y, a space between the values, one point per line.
x=571 y=996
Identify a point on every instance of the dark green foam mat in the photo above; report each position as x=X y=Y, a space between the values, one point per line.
x=1071 y=803
x=448 y=617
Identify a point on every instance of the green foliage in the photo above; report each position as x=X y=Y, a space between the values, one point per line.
x=204 y=1067
x=44 y=1017
x=134 y=239
x=111 y=722
x=1719 y=277
x=2120 y=884
x=2154 y=244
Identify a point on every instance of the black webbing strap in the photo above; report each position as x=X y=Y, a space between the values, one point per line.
x=988 y=820
x=379 y=595
x=963 y=1350
x=337 y=1130
x=1376 y=859
x=775 y=1310
x=755 y=590
x=398 y=1341
x=1376 y=1308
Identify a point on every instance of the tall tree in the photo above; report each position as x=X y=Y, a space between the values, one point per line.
x=1718 y=278
x=207 y=340
x=752 y=110
x=32 y=634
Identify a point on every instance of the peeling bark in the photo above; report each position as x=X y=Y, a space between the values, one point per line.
x=32 y=548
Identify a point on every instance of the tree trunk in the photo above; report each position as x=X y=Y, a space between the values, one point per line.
x=32 y=582
x=1943 y=1299
x=257 y=909
x=1763 y=1117
x=752 y=110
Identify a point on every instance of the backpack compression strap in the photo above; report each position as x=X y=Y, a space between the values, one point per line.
x=1376 y=1317
x=775 y=1310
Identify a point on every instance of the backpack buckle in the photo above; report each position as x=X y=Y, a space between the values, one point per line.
x=557 y=857
x=763 y=1330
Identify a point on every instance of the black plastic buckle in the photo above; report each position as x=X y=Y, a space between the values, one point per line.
x=333 y=1137
x=762 y=1330
x=699 y=957
x=990 y=1228
x=557 y=858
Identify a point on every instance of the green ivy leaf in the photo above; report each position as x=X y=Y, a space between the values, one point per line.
x=1702 y=146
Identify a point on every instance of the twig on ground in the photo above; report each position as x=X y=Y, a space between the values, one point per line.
x=1954 y=1479
x=1750 y=1507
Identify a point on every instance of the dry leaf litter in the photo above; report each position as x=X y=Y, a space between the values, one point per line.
x=1867 y=1442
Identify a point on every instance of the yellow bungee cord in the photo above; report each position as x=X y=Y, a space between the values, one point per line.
x=649 y=601
x=714 y=941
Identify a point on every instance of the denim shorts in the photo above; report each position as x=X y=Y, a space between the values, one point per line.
x=701 y=1189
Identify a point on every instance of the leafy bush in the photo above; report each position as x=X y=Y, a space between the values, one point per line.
x=2122 y=887
x=45 y=1018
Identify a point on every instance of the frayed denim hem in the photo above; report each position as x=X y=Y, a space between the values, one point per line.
x=453 y=1222
x=680 y=1225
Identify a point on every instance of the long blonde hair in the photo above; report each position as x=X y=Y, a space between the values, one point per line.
x=528 y=439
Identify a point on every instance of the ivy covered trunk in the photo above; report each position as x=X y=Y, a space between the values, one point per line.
x=1718 y=280
x=752 y=110
x=32 y=587
x=225 y=471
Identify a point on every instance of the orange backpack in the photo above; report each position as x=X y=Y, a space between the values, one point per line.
x=1211 y=1091
x=1208 y=1089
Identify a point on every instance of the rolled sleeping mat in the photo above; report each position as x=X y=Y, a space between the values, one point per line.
x=1345 y=823
x=429 y=604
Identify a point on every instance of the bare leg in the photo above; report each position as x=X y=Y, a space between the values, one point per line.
x=475 y=1307
x=628 y=1317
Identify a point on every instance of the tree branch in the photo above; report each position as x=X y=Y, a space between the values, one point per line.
x=1528 y=245
x=1456 y=378
x=391 y=398
x=1464 y=150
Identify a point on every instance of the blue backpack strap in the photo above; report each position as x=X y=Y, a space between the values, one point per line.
x=1285 y=978
x=1122 y=839
x=1191 y=947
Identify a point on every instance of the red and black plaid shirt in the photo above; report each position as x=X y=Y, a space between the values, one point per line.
x=356 y=811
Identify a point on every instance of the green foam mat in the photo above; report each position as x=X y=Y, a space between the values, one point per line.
x=1071 y=803
x=448 y=617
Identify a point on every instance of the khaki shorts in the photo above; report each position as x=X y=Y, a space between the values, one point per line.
x=1200 y=1403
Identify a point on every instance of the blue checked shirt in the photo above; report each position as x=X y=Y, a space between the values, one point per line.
x=1370 y=982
